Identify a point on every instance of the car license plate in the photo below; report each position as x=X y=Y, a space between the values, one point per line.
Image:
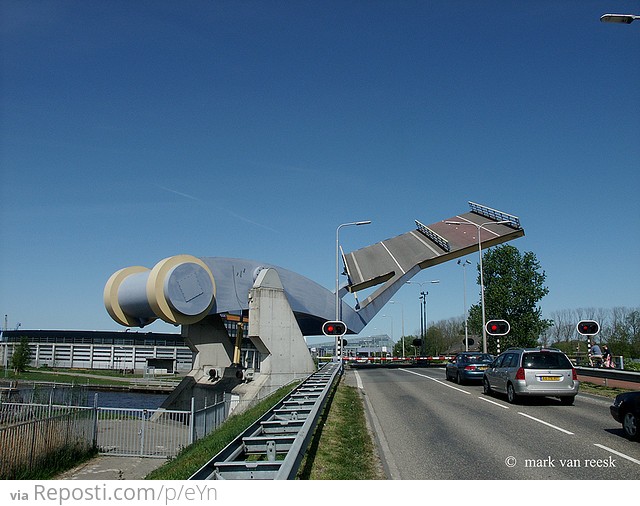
x=550 y=378
x=482 y=368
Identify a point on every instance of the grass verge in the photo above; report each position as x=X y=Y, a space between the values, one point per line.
x=343 y=448
x=595 y=389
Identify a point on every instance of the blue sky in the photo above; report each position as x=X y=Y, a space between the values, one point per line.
x=133 y=131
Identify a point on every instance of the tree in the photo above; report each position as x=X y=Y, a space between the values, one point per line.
x=21 y=356
x=514 y=284
x=409 y=349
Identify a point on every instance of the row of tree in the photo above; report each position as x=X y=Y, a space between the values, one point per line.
x=514 y=285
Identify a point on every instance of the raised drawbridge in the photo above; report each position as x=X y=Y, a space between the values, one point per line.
x=203 y=295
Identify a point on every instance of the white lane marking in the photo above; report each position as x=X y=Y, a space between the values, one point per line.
x=546 y=423
x=394 y=258
x=437 y=381
x=493 y=402
x=617 y=453
x=359 y=381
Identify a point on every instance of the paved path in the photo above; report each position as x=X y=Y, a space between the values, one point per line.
x=108 y=467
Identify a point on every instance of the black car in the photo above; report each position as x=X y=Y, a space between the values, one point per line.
x=468 y=366
x=626 y=410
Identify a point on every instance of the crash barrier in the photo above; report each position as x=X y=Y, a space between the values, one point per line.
x=609 y=374
x=274 y=446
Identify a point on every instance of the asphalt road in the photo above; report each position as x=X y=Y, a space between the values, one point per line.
x=429 y=428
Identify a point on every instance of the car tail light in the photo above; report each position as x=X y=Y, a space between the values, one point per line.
x=574 y=374
x=470 y=368
x=520 y=374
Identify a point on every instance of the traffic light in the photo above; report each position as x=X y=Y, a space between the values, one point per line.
x=588 y=327
x=336 y=328
x=498 y=327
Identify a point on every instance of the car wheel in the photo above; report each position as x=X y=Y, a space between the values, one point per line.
x=630 y=425
x=486 y=387
x=512 y=397
x=567 y=401
x=459 y=379
x=446 y=375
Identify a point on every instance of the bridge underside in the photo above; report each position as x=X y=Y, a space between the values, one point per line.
x=399 y=258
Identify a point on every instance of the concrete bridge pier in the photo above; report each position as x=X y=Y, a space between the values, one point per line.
x=274 y=331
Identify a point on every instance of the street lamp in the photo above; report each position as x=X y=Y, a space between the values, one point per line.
x=619 y=18
x=464 y=296
x=479 y=226
x=402 y=316
x=338 y=312
x=423 y=312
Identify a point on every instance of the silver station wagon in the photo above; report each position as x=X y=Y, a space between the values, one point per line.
x=532 y=372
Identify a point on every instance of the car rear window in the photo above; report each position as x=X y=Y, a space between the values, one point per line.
x=545 y=360
x=477 y=359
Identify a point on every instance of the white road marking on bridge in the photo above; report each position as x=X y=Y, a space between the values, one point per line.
x=493 y=402
x=437 y=381
x=546 y=423
x=359 y=380
x=393 y=258
x=619 y=454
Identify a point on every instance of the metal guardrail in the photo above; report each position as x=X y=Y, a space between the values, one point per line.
x=614 y=374
x=273 y=447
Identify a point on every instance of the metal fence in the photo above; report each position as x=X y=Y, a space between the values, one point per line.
x=30 y=432
x=24 y=446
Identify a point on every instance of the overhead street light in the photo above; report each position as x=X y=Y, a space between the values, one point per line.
x=464 y=297
x=479 y=226
x=619 y=18
x=423 y=312
x=338 y=312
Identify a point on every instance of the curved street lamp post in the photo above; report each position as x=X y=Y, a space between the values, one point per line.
x=479 y=226
x=338 y=343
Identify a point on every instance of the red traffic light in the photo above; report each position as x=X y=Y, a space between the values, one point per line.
x=588 y=327
x=498 y=327
x=335 y=328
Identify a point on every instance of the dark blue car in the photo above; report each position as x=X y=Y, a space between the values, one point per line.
x=468 y=366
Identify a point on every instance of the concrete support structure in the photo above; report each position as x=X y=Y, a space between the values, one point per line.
x=273 y=330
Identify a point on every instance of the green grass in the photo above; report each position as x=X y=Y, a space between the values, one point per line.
x=51 y=464
x=75 y=376
x=343 y=448
x=593 y=388
x=194 y=456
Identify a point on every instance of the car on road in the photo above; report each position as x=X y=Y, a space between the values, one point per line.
x=520 y=372
x=468 y=366
x=626 y=410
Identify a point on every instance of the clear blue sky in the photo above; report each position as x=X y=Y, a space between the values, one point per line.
x=133 y=131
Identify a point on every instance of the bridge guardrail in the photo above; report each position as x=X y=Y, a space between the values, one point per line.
x=286 y=430
x=614 y=374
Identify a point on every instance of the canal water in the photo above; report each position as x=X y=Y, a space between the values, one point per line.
x=131 y=400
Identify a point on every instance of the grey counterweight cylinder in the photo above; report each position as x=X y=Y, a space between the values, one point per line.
x=178 y=290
